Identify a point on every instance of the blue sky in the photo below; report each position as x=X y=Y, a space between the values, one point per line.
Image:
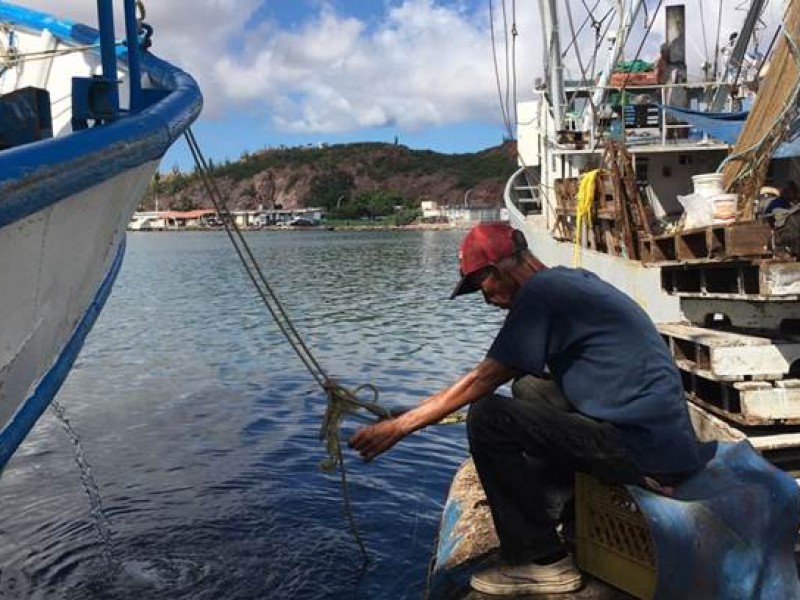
x=297 y=72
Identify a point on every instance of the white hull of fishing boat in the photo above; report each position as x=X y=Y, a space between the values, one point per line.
x=65 y=203
x=641 y=283
x=57 y=268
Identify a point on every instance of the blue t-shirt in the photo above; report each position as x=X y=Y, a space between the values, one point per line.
x=608 y=359
x=777 y=204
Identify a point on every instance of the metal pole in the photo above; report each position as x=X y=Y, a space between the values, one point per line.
x=553 y=61
x=108 y=54
x=734 y=64
x=134 y=70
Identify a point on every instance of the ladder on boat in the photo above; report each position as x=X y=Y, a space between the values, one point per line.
x=523 y=191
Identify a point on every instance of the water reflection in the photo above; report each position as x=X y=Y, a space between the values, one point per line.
x=202 y=428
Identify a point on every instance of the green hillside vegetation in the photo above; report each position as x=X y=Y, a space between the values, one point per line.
x=349 y=180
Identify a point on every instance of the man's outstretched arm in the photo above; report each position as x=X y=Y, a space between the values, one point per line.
x=372 y=440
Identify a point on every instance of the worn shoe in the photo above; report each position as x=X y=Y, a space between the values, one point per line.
x=508 y=580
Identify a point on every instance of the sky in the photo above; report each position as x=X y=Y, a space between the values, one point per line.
x=297 y=72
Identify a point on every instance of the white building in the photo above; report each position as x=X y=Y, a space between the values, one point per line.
x=461 y=215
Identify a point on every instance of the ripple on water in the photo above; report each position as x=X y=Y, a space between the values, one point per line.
x=201 y=426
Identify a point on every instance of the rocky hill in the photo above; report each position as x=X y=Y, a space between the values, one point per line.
x=348 y=179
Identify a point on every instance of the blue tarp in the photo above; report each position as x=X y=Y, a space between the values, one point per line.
x=726 y=127
x=728 y=532
x=722 y=126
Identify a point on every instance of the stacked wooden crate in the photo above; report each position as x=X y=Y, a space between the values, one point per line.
x=742 y=376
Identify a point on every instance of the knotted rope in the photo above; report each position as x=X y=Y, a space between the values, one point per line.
x=340 y=400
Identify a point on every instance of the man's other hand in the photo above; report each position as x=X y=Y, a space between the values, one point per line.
x=372 y=440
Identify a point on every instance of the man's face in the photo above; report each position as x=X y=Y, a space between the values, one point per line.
x=497 y=286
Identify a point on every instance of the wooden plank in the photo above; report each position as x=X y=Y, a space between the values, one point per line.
x=692 y=244
x=780 y=278
x=685 y=365
x=779 y=441
x=748 y=404
x=713 y=243
x=726 y=355
x=747 y=313
x=743 y=280
x=771 y=403
x=776 y=406
x=709 y=428
x=711 y=337
x=705 y=297
x=745 y=239
x=773 y=446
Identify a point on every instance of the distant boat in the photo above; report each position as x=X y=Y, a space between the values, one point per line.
x=84 y=122
x=643 y=138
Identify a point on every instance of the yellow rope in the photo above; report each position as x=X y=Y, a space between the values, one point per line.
x=583 y=212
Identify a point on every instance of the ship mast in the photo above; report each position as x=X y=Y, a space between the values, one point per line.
x=553 y=61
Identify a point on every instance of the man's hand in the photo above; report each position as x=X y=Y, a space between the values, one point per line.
x=372 y=440
x=375 y=439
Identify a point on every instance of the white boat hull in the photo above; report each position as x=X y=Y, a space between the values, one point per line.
x=65 y=204
x=638 y=281
x=53 y=265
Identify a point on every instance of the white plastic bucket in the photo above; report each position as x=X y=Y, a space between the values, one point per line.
x=708 y=184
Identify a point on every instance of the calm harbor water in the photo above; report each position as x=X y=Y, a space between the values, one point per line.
x=189 y=464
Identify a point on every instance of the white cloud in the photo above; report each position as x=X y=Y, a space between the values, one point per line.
x=424 y=63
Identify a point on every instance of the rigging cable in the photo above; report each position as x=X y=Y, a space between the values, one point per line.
x=514 y=34
x=716 y=50
x=507 y=49
x=590 y=17
x=768 y=51
x=641 y=44
x=599 y=37
x=506 y=121
x=341 y=400
x=584 y=78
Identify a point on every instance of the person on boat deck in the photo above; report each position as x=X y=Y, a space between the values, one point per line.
x=594 y=390
x=787 y=197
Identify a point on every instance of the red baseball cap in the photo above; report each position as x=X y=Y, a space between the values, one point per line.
x=484 y=245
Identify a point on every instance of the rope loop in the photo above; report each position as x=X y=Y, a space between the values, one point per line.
x=341 y=402
x=147 y=35
x=142 y=11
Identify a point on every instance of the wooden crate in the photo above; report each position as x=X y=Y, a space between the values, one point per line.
x=731 y=356
x=716 y=242
x=738 y=279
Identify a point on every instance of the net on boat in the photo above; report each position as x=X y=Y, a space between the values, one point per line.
x=773 y=112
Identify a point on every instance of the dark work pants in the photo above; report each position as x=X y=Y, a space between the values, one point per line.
x=526 y=450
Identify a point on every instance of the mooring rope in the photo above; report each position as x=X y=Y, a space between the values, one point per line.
x=341 y=400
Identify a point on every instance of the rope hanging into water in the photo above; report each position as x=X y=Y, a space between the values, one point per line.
x=340 y=400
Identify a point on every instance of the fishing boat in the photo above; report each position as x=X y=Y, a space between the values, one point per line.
x=654 y=183
x=84 y=120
